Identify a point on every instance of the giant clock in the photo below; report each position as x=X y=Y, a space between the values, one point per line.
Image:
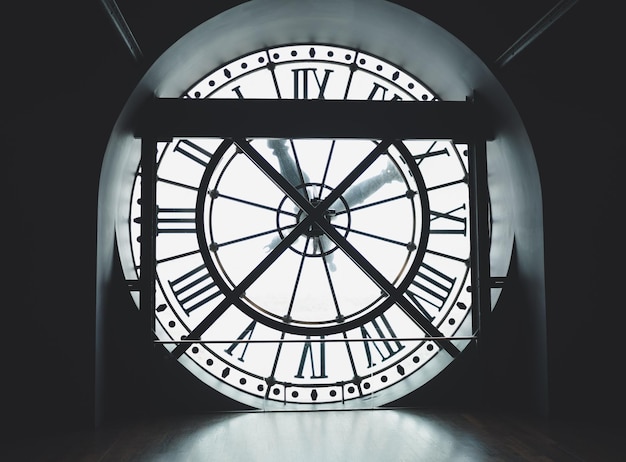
x=308 y=273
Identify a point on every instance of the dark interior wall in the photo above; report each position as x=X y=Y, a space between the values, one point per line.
x=581 y=161
x=575 y=118
x=63 y=93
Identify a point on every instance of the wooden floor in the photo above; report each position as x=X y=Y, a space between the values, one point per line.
x=383 y=435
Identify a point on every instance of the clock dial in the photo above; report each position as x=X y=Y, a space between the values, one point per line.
x=317 y=285
x=316 y=273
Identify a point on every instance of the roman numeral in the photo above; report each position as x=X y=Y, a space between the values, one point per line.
x=441 y=152
x=246 y=334
x=194 y=289
x=451 y=224
x=380 y=93
x=431 y=290
x=317 y=361
x=193 y=151
x=302 y=83
x=176 y=220
x=237 y=91
x=383 y=331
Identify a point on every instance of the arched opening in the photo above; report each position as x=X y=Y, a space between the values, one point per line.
x=449 y=68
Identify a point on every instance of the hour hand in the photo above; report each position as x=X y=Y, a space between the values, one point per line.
x=288 y=168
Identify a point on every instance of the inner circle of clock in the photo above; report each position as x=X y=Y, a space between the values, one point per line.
x=304 y=230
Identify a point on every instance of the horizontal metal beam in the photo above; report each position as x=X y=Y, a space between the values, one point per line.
x=165 y=118
x=316 y=340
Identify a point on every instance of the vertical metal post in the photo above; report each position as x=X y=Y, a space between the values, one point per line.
x=479 y=235
x=479 y=197
x=148 y=247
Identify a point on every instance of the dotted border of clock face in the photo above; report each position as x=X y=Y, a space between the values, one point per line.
x=332 y=369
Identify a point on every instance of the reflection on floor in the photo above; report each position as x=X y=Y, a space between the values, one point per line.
x=366 y=435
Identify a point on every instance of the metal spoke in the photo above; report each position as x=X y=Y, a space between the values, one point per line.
x=255 y=204
x=298 y=276
x=174 y=257
x=330 y=280
x=275 y=365
x=445 y=185
x=450 y=257
x=177 y=183
x=303 y=176
x=373 y=236
x=326 y=169
x=372 y=204
x=253 y=236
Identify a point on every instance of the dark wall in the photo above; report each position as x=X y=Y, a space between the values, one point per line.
x=64 y=90
x=581 y=162
x=566 y=87
x=62 y=93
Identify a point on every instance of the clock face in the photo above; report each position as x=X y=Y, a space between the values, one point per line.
x=316 y=273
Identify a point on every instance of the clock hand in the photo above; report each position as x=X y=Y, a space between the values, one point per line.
x=273 y=243
x=355 y=195
x=359 y=192
x=289 y=170
x=320 y=244
x=287 y=166
x=292 y=173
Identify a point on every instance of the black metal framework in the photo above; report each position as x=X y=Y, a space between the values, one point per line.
x=388 y=121
x=461 y=121
x=148 y=234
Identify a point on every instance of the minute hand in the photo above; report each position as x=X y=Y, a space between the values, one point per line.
x=360 y=192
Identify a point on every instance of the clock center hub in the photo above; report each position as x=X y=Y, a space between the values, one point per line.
x=315 y=230
x=313 y=242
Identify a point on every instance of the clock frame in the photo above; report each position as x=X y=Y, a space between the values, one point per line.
x=343 y=309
